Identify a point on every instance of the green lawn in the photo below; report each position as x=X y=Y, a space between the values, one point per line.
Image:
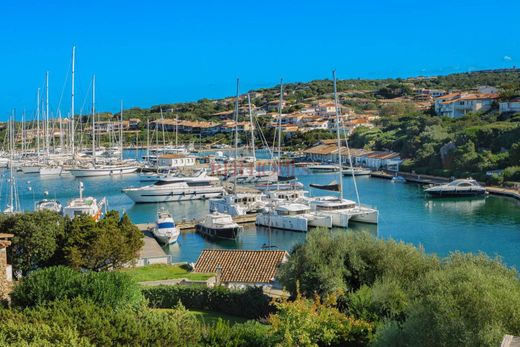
x=158 y=272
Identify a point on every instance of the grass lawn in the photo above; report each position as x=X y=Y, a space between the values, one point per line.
x=158 y=272
x=209 y=317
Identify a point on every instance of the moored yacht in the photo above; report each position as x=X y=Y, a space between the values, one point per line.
x=459 y=187
x=177 y=189
x=292 y=216
x=219 y=225
x=49 y=205
x=238 y=204
x=89 y=206
x=323 y=168
x=165 y=231
x=103 y=170
x=356 y=171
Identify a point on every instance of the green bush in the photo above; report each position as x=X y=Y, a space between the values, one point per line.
x=107 y=289
x=247 y=303
x=512 y=173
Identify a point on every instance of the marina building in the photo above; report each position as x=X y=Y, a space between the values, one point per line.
x=242 y=268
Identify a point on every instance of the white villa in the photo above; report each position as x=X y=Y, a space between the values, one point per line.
x=456 y=105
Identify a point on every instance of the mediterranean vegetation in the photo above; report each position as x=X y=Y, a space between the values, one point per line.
x=346 y=289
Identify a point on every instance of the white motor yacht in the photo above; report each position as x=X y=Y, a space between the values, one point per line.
x=238 y=204
x=49 y=205
x=292 y=216
x=89 y=206
x=219 y=225
x=165 y=231
x=456 y=188
x=177 y=189
x=356 y=171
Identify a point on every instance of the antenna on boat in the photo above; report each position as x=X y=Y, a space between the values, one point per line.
x=340 y=180
x=80 y=190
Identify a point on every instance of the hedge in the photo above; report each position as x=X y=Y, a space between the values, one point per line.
x=249 y=303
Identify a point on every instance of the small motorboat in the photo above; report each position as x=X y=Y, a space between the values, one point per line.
x=165 y=231
x=49 y=205
x=219 y=225
x=333 y=186
x=398 y=179
x=84 y=205
x=456 y=188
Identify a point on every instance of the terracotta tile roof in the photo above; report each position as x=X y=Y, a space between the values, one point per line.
x=241 y=265
x=322 y=149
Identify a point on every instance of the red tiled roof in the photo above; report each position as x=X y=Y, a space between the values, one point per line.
x=241 y=265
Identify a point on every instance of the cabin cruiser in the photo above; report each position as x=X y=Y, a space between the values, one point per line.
x=459 y=187
x=177 y=189
x=49 y=205
x=292 y=216
x=356 y=171
x=238 y=204
x=89 y=206
x=219 y=225
x=165 y=231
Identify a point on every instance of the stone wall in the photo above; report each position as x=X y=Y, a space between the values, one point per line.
x=4 y=283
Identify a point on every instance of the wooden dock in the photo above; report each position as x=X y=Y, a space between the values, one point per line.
x=187 y=225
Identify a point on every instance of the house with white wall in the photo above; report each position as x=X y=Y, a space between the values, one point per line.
x=512 y=105
x=457 y=105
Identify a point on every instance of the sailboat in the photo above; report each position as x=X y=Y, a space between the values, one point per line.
x=95 y=169
x=14 y=203
x=341 y=210
x=237 y=204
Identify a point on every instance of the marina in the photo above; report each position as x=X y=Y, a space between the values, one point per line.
x=489 y=224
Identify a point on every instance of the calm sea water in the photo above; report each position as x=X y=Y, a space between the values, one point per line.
x=441 y=226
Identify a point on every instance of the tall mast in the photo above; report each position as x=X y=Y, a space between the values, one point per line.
x=280 y=106
x=340 y=179
x=23 y=132
x=148 y=140
x=236 y=137
x=47 y=139
x=38 y=124
x=94 y=118
x=121 y=130
x=11 y=154
x=162 y=128
x=252 y=129
x=176 y=130
x=72 y=103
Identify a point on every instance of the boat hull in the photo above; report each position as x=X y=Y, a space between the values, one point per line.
x=365 y=215
x=30 y=169
x=455 y=194
x=103 y=171
x=220 y=233
x=50 y=171
x=143 y=196
x=282 y=222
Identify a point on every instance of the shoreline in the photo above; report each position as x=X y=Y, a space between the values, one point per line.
x=428 y=179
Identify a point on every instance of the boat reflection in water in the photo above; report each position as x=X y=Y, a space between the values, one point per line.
x=457 y=206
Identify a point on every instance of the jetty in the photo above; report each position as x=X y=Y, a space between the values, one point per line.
x=152 y=252
x=188 y=225
x=428 y=179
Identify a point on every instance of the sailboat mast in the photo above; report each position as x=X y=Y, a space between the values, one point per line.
x=148 y=140
x=94 y=118
x=47 y=139
x=162 y=128
x=236 y=137
x=38 y=124
x=61 y=131
x=72 y=103
x=176 y=130
x=11 y=154
x=252 y=129
x=340 y=172
x=121 y=130
x=280 y=106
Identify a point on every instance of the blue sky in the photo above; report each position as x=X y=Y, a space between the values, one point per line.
x=151 y=52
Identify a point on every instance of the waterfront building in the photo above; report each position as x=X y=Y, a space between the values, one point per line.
x=242 y=268
x=456 y=105
x=512 y=105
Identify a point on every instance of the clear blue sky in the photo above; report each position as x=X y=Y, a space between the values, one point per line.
x=151 y=52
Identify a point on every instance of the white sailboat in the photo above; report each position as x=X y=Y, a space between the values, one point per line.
x=341 y=210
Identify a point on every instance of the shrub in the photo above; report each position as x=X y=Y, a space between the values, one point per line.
x=247 y=303
x=512 y=173
x=111 y=289
x=246 y=334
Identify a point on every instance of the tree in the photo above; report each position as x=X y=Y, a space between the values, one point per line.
x=35 y=239
x=110 y=243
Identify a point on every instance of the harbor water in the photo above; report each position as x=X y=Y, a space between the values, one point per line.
x=490 y=224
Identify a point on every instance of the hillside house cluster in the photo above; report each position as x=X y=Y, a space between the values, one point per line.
x=327 y=152
x=455 y=105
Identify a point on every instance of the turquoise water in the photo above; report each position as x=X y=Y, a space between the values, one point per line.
x=441 y=226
